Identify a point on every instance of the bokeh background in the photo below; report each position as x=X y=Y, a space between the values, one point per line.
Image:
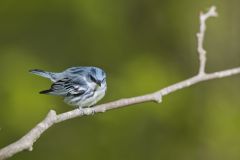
x=143 y=45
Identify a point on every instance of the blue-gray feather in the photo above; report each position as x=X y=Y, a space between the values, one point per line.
x=80 y=86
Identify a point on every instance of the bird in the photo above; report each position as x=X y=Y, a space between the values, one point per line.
x=81 y=87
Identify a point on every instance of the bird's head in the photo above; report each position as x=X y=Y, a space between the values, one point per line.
x=97 y=76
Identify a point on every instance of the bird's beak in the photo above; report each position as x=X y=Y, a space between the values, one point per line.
x=99 y=83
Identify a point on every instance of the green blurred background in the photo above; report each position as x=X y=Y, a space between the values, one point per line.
x=143 y=45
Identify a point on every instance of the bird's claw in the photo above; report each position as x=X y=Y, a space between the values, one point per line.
x=86 y=111
x=89 y=111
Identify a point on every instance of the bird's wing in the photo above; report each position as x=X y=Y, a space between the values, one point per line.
x=67 y=86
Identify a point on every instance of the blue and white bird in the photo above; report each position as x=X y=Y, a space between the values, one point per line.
x=80 y=86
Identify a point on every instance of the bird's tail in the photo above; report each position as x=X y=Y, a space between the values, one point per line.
x=42 y=73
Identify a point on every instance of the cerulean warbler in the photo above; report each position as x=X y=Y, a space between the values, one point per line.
x=80 y=86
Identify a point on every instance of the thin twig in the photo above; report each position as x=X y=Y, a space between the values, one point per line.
x=201 y=34
x=27 y=141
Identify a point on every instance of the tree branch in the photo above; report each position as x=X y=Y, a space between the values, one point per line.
x=27 y=141
x=201 y=34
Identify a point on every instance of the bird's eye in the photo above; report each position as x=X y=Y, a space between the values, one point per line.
x=93 y=79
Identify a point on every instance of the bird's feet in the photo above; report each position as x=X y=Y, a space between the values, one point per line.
x=81 y=110
x=86 y=111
